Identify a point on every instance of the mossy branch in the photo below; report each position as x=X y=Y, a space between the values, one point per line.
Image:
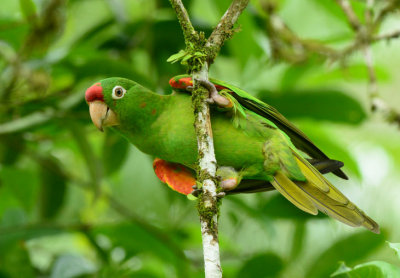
x=208 y=204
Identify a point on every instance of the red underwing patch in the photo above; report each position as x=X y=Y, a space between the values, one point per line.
x=175 y=175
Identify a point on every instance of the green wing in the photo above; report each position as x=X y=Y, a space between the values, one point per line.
x=298 y=138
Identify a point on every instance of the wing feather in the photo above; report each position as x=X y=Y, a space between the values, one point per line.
x=299 y=139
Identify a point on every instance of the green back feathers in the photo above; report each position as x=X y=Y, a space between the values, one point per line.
x=298 y=138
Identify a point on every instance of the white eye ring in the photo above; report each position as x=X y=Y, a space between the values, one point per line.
x=118 y=92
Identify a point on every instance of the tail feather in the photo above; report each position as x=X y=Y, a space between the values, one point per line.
x=294 y=193
x=330 y=200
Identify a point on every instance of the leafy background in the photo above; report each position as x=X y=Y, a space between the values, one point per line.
x=78 y=203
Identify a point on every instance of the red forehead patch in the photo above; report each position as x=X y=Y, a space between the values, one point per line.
x=94 y=92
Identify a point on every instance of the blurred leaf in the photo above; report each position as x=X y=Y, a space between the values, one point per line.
x=298 y=240
x=53 y=189
x=323 y=104
x=115 y=151
x=351 y=72
x=293 y=75
x=255 y=212
x=374 y=269
x=278 y=207
x=92 y=162
x=331 y=8
x=7 y=52
x=68 y=266
x=11 y=147
x=9 y=236
x=28 y=9
x=107 y=67
x=13 y=217
x=260 y=266
x=15 y=262
x=27 y=122
x=395 y=247
x=23 y=183
x=134 y=239
x=350 y=249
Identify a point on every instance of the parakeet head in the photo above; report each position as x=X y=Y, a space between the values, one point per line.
x=109 y=98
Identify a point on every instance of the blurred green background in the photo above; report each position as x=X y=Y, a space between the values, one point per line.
x=75 y=202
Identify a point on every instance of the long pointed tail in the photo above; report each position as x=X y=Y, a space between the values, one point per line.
x=318 y=193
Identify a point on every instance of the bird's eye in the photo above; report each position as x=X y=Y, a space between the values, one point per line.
x=118 y=92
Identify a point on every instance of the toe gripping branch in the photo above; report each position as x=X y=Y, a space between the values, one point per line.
x=215 y=97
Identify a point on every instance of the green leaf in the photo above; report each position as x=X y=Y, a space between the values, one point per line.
x=115 y=150
x=187 y=57
x=176 y=57
x=395 y=247
x=261 y=266
x=53 y=189
x=350 y=249
x=68 y=266
x=374 y=269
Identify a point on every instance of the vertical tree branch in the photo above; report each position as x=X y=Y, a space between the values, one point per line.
x=207 y=164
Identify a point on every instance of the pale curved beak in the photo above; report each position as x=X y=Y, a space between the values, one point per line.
x=102 y=115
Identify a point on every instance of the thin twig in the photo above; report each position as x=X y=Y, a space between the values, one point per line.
x=388 y=36
x=188 y=31
x=351 y=16
x=224 y=30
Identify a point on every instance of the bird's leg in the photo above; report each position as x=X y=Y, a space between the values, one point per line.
x=230 y=178
x=215 y=97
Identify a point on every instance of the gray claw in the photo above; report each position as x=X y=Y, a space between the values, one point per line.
x=221 y=195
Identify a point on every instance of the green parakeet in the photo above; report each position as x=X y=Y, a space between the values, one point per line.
x=257 y=149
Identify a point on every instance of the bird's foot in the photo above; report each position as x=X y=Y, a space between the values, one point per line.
x=221 y=195
x=228 y=184
x=215 y=97
x=196 y=191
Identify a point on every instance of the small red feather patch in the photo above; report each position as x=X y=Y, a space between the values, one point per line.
x=175 y=175
x=184 y=82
